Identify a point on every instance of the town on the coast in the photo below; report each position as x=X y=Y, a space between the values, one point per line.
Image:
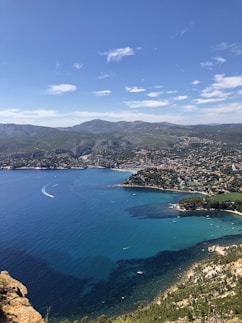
x=193 y=163
x=207 y=169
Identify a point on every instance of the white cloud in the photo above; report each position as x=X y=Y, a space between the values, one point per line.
x=209 y=65
x=104 y=75
x=181 y=97
x=228 y=109
x=234 y=48
x=218 y=90
x=171 y=92
x=220 y=59
x=184 y=30
x=195 y=82
x=25 y=116
x=189 y=108
x=134 y=89
x=60 y=89
x=102 y=93
x=211 y=100
x=8 y=112
x=219 y=113
x=223 y=46
x=154 y=94
x=146 y=104
x=211 y=92
x=138 y=48
x=118 y=53
x=78 y=66
x=227 y=82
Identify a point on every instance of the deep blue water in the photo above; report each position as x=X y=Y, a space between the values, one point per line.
x=79 y=242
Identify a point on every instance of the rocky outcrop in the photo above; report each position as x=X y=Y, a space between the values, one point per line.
x=221 y=250
x=14 y=306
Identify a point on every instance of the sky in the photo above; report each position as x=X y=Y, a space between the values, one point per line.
x=64 y=62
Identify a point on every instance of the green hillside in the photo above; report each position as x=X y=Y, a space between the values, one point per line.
x=233 y=197
x=210 y=292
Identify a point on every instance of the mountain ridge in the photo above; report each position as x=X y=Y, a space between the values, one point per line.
x=100 y=126
x=112 y=141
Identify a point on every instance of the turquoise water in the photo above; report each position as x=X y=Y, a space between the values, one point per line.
x=85 y=246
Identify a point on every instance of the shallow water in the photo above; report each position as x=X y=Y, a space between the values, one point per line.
x=85 y=246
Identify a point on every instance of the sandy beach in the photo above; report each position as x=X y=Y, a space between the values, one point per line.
x=161 y=189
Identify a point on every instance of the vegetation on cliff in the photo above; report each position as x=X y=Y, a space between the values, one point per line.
x=210 y=292
x=226 y=202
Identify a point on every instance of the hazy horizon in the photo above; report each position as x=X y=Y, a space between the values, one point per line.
x=102 y=120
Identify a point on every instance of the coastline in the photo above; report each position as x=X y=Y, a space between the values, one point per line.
x=126 y=170
x=179 y=191
x=185 y=276
x=209 y=268
x=45 y=168
x=230 y=211
x=202 y=209
x=161 y=189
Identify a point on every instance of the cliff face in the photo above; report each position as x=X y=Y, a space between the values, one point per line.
x=14 y=306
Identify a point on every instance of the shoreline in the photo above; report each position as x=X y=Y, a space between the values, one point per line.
x=220 y=250
x=44 y=168
x=126 y=170
x=161 y=189
x=186 y=274
x=207 y=210
x=235 y=212
x=176 y=206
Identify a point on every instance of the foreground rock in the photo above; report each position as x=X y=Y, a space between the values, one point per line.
x=14 y=306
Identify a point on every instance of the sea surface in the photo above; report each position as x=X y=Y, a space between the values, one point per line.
x=84 y=246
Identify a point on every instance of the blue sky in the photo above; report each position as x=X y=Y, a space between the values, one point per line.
x=63 y=62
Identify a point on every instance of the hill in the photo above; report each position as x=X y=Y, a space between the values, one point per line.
x=27 y=137
x=104 y=143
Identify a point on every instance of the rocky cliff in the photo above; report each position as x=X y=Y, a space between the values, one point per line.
x=14 y=306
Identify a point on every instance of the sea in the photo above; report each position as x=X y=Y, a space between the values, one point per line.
x=85 y=246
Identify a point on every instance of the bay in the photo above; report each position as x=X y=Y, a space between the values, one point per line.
x=83 y=245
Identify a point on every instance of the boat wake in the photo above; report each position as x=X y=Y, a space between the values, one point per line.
x=126 y=248
x=43 y=190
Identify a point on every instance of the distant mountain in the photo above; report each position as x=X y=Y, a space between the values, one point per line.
x=99 y=135
x=101 y=126
x=14 y=130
